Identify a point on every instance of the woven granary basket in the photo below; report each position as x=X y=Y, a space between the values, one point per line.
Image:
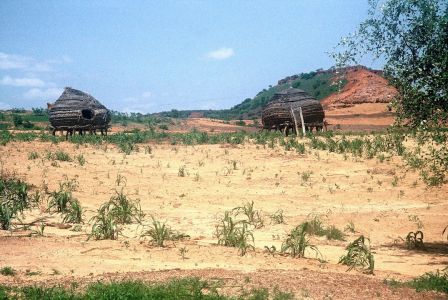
x=78 y=110
x=278 y=110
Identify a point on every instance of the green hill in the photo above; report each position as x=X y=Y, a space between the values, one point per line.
x=318 y=84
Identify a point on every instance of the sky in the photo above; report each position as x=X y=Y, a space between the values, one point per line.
x=150 y=56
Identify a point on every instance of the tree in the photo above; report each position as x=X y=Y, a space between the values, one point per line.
x=411 y=36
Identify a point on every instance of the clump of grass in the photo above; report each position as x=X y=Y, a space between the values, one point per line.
x=33 y=155
x=253 y=216
x=333 y=233
x=359 y=256
x=297 y=242
x=182 y=171
x=59 y=200
x=184 y=288
x=277 y=217
x=73 y=212
x=236 y=234
x=81 y=160
x=125 y=210
x=104 y=225
x=62 y=156
x=8 y=271
x=414 y=240
x=317 y=227
x=14 y=200
x=161 y=232
x=350 y=227
x=431 y=281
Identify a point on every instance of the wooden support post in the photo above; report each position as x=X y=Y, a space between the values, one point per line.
x=295 y=121
x=301 y=119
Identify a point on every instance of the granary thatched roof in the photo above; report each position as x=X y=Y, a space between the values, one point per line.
x=76 y=109
x=76 y=98
x=278 y=109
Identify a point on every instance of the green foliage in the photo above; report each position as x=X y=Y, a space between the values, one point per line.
x=359 y=256
x=236 y=234
x=104 y=225
x=253 y=216
x=7 y=271
x=73 y=212
x=297 y=242
x=437 y=281
x=277 y=217
x=125 y=210
x=33 y=155
x=161 y=232
x=185 y=288
x=14 y=199
x=81 y=160
x=61 y=156
x=414 y=240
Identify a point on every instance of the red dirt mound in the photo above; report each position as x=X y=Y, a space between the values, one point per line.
x=363 y=86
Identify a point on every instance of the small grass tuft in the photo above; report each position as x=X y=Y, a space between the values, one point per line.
x=8 y=271
x=359 y=256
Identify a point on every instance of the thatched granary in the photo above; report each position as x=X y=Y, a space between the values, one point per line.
x=78 y=111
x=278 y=113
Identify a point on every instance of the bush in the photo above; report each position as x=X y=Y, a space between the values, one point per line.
x=236 y=234
x=14 y=199
x=297 y=242
x=359 y=256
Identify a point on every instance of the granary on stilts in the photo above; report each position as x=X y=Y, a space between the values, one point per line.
x=287 y=110
x=76 y=111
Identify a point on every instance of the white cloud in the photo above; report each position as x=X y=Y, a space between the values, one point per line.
x=146 y=94
x=13 y=61
x=48 y=94
x=220 y=54
x=4 y=106
x=28 y=82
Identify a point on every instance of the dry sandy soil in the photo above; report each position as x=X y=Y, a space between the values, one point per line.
x=339 y=191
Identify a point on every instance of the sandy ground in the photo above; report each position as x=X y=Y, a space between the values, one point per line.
x=340 y=190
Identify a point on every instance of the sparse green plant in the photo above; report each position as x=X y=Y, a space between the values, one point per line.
x=350 y=227
x=182 y=171
x=333 y=233
x=81 y=160
x=297 y=242
x=271 y=250
x=183 y=252
x=431 y=281
x=125 y=210
x=121 y=179
x=414 y=240
x=277 y=217
x=104 y=225
x=73 y=212
x=161 y=232
x=33 y=155
x=62 y=156
x=14 y=200
x=233 y=233
x=253 y=216
x=59 y=200
x=148 y=150
x=359 y=256
x=40 y=229
x=8 y=271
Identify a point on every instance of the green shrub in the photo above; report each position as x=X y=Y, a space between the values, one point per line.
x=33 y=155
x=233 y=233
x=7 y=271
x=437 y=281
x=104 y=225
x=125 y=210
x=14 y=199
x=297 y=242
x=359 y=256
x=161 y=232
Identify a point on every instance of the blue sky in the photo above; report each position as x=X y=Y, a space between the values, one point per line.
x=149 y=56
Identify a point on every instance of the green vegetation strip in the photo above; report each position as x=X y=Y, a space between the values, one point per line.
x=187 y=288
